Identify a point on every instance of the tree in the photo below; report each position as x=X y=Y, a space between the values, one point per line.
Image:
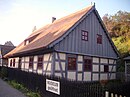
x=118 y=26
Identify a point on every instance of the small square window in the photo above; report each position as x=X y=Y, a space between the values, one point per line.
x=84 y=35
x=99 y=39
x=71 y=63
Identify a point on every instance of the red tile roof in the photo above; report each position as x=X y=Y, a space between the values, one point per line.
x=43 y=37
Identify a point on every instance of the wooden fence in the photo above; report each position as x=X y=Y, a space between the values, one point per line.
x=68 y=88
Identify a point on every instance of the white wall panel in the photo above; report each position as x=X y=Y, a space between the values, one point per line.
x=103 y=76
x=39 y=71
x=80 y=67
x=49 y=67
x=62 y=56
x=102 y=68
x=95 y=77
x=104 y=60
x=80 y=58
x=58 y=74
x=95 y=60
x=35 y=66
x=30 y=70
x=46 y=57
x=26 y=65
x=57 y=66
x=22 y=66
x=80 y=77
x=111 y=61
x=35 y=58
x=72 y=75
x=112 y=68
x=113 y=76
x=96 y=68
x=27 y=59
x=87 y=76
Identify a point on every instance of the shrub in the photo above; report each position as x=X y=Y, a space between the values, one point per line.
x=3 y=72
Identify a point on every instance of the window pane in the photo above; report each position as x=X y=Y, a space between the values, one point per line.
x=87 y=64
x=99 y=39
x=40 y=62
x=84 y=35
x=71 y=63
x=105 y=68
x=13 y=62
x=31 y=62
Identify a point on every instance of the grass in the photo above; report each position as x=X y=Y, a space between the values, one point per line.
x=23 y=89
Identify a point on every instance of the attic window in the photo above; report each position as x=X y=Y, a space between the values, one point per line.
x=27 y=41
x=99 y=39
x=84 y=35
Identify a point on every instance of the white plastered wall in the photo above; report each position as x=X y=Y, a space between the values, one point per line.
x=35 y=63
x=95 y=60
x=57 y=66
x=87 y=76
x=71 y=75
x=95 y=77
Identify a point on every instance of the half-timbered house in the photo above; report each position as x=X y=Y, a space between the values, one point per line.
x=75 y=47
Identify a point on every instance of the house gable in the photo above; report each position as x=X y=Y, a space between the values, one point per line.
x=73 y=42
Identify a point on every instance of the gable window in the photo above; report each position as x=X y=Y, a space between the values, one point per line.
x=40 y=62
x=13 y=62
x=31 y=62
x=99 y=39
x=71 y=63
x=105 y=68
x=84 y=35
x=87 y=64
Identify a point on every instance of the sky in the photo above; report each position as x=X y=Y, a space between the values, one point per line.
x=18 y=17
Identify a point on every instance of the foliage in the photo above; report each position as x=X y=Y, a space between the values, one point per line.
x=23 y=89
x=3 y=72
x=118 y=26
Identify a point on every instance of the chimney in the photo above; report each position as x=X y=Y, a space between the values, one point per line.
x=53 y=19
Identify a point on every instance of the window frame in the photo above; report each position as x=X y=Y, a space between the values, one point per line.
x=40 y=62
x=84 y=35
x=106 y=68
x=87 y=66
x=31 y=60
x=99 y=39
x=13 y=62
x=73 y=61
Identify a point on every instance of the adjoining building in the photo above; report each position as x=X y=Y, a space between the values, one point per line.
x=75 y=47
x=4 y=49
x=127 y=68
